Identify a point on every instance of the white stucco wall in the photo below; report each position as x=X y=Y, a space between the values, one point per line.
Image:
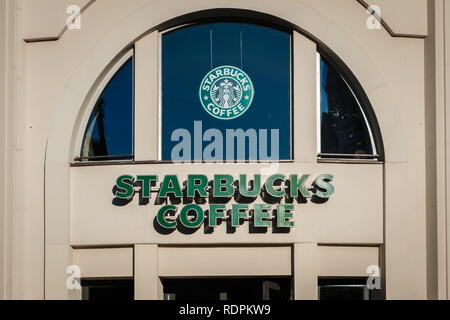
x=57 y=79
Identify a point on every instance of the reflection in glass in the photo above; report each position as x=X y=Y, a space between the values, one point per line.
x=109 y=132
x=343 y=126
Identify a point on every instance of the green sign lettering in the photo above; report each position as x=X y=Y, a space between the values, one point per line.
x=270 y=186
x=243 y=187
x=223 y=186
x=297 y=185
x=238 y=212
x=215 y=211
x=197 y=183
x=161 y=217
x=261 y=212
x=146 y=184
x=323 y=182
x=184 y=216
x=170 y=185
x=284 y=216
x=125 y=186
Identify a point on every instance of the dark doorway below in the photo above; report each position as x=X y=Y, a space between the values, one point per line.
x=343 y=289
x=227 y=289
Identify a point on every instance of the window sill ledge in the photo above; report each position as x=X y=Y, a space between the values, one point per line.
x=349 y=161
x=157 y=162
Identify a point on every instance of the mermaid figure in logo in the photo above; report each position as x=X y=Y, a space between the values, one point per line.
x=228 y=95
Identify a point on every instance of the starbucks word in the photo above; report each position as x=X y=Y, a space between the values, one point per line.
x=224 y=186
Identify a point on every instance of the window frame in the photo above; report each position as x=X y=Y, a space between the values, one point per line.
x=114 y=67
x=365 y=109
x=170 y=29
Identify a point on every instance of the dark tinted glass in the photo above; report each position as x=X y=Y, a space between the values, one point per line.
x=343 y=127
x=109 y=132
x=108 y=290
x=342 y=293
x=343 y=289
x=213 y=289
x=189 y=54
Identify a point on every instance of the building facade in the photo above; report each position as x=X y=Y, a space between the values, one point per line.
x=136 y=138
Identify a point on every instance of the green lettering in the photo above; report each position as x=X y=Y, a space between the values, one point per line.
x=297 y=185
x=284 y=216
x=243 y=187
x=184 y=216
x=261 y=212
x=161 y=217
x=146 y=184
x=200 y=187
x=170 y=185
x=270 y=186
x=215 y=211
x=237 y=214
x=125 y=186
x=223 y=186
x=322 y=182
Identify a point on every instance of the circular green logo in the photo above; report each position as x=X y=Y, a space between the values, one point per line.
x=226 y=92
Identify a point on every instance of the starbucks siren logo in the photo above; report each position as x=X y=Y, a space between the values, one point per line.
x=226 y=92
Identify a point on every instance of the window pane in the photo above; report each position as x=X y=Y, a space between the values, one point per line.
x=342 y=293
x=109 y=132
x=343 y=289
x=231 y=289
x=343 y=127
x=262 y=53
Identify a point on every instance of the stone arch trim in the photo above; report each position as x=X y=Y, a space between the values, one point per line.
x=363 y=3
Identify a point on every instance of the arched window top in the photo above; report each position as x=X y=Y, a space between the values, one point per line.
x=109 y=130
x=345 y=130
x=262 y=54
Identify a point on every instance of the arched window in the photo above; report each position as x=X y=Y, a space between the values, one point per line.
x=344 y=127
x=226 y=95
x=109 y=130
